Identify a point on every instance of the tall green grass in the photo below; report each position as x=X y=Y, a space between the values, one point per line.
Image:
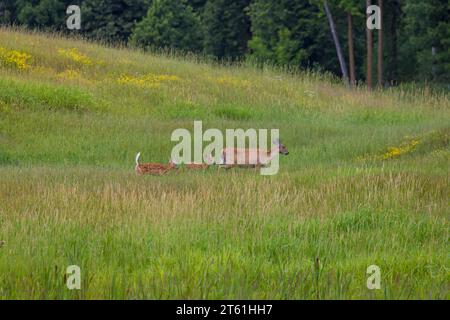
x=68 y=193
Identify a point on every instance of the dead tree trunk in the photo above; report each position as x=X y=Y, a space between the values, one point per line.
x=351 y=55
x=380 y=46
x=336 y=43
x=369 y=51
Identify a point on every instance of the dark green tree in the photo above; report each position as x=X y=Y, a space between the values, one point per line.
x=8 y=13
x=112 y=20
x=284 y=31
x=197 y=5
x=44 y=14
x=226 y=28
x=392 y=15
x=289 y=32
x=425 y=50
x=169 y=24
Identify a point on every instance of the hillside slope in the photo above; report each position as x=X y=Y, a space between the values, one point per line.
x=366 y=181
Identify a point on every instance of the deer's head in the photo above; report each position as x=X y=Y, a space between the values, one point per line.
x=281 y=147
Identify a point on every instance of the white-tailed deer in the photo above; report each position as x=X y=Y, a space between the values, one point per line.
x=152 y=168
x=247 y=157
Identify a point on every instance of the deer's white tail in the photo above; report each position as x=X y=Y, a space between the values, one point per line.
x=137 y=158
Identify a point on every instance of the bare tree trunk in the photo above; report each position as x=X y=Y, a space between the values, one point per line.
x=336 y=43
x=369 y=52
x=380 y=46
x=351 y=55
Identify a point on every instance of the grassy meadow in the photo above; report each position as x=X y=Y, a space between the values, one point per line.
x=366 y=181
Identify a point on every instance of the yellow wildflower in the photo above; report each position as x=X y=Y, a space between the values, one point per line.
x=20 y=60
x=76 y=56
x=405 y=148
x=393 y=152
x=150 y=80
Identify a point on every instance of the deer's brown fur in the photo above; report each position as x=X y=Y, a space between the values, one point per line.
x=153 y=168
x=196 y=166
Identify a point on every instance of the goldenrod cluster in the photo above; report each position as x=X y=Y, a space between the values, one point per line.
x=394 y=152
x=18 y=59
x=76 y=56
x=149 y=80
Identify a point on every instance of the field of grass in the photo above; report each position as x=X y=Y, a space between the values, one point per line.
x=366 y=181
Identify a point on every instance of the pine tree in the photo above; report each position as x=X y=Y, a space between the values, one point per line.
x=197 y=5
x=111 y=20
x=169 y=24
x=392 y=18
x=44 y=14
x=226 y=28
x=426 y=27
x=8 y=12
x=289 y=32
